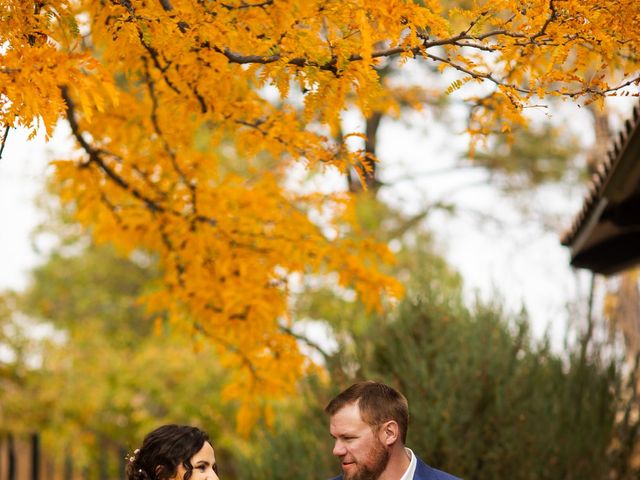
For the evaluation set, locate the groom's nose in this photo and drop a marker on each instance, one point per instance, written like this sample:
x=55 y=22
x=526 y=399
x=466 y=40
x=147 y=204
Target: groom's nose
x=338 y=449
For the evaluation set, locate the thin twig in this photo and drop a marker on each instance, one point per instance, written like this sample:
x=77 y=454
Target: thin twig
x=244 y=5
x=4 y=140
x=305 y=339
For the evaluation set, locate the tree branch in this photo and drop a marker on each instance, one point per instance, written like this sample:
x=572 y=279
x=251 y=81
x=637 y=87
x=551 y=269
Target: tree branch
x=245 y=5
x=229 y=346
x=429 y=173
x=4 y=140
x=478 y=75
x=550 y=18
x=95 y=156
x=170 y=151
x=306 y=340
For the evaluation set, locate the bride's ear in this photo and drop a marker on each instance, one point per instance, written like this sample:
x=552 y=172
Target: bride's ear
x=159 y=471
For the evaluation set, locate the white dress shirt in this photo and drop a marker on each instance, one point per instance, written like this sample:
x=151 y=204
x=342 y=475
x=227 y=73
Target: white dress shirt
x=411 y=469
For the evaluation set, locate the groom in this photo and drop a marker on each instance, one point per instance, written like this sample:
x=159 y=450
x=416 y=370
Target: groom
x=369 y=422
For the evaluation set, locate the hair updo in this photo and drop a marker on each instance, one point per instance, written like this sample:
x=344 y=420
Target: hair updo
x=163 y=450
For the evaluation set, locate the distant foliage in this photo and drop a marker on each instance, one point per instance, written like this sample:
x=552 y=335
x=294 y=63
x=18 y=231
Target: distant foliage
x=486 y=400
x=531 y=157
x=101 y=379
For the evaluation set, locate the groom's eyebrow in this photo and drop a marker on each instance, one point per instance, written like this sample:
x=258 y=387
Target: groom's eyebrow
x=343 y=435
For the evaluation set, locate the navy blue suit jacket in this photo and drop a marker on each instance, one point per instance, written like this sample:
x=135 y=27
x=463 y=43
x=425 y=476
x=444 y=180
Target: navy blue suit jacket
x=424 y=472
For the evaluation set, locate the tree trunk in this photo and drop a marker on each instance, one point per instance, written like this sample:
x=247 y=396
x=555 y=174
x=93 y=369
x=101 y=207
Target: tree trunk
x=369 y=168
x=35 y=456
x=603 y=137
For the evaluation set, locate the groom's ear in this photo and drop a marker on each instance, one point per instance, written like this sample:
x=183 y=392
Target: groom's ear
x=389 y=432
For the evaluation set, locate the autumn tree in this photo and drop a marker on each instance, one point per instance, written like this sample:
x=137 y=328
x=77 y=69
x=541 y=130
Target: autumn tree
x=139 y=81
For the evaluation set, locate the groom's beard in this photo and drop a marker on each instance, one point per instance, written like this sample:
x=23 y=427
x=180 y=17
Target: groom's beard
x=373 y=465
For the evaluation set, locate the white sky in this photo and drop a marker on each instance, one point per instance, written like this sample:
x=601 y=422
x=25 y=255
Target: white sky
x=518 y=261
x=499 y=256
x=22 y=169
x=507 y=256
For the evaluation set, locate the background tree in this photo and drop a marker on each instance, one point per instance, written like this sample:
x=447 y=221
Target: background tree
x=106 y=372
x=137 y=80
x=487 y=399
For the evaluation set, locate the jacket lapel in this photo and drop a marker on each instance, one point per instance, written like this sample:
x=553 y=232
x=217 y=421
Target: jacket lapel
x=423 y=471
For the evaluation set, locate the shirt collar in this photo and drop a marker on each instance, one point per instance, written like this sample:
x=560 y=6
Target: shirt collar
x=411 y=469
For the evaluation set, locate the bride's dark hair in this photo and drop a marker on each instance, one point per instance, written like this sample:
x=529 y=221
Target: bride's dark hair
x=163 y=450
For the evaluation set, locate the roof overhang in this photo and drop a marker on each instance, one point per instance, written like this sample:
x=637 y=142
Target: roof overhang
x=605 y=235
